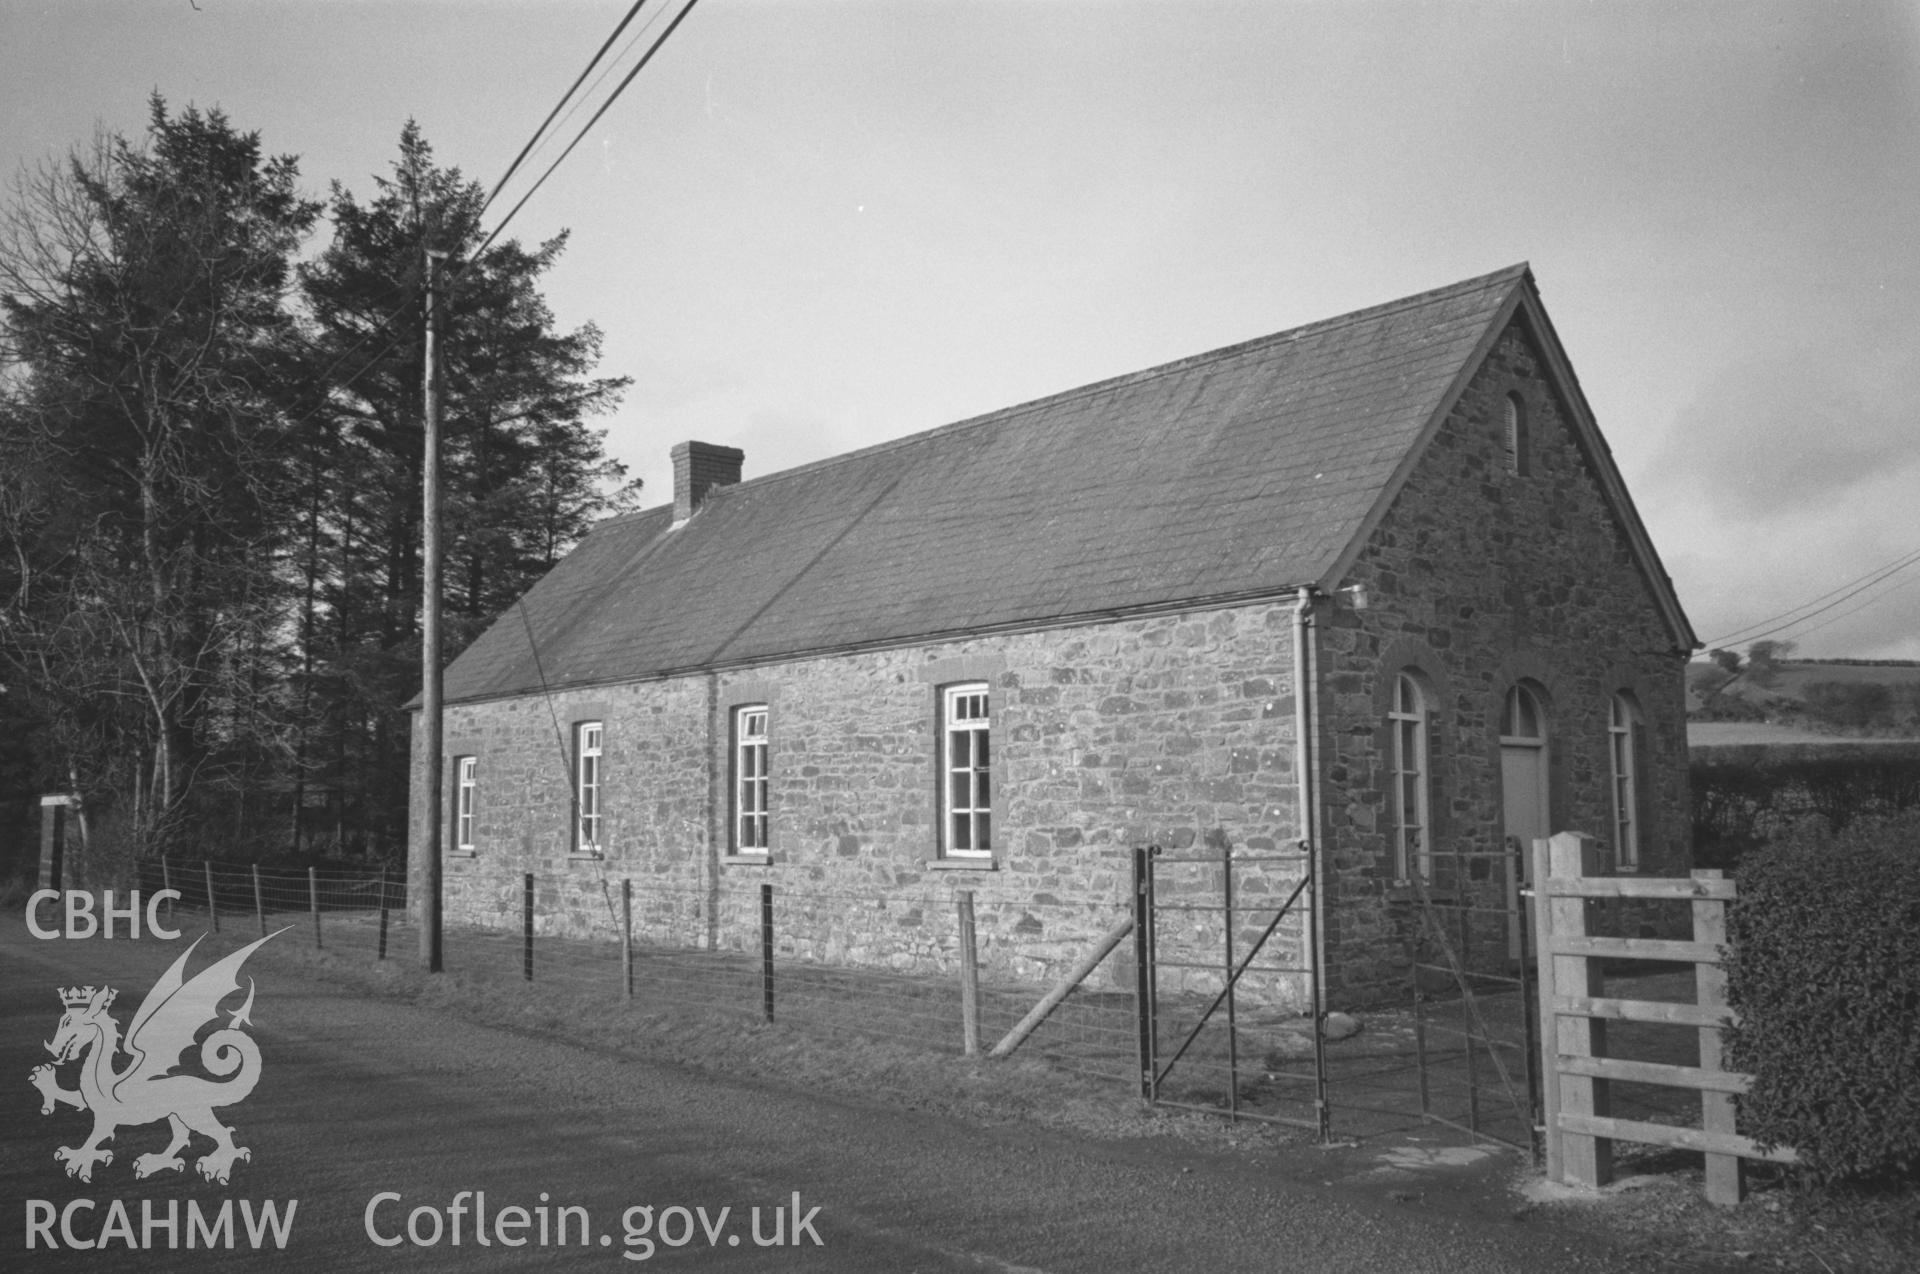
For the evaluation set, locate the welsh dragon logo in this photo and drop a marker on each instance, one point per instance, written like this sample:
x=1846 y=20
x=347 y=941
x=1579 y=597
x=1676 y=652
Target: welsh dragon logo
x=146 y=1090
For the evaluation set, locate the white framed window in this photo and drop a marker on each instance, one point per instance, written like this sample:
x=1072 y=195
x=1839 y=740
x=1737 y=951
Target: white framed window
x=966 y=768
x=750 y=782
x=466 y=774
x=1516 y=436
x=1624 y=737
x=1411 y=779
x=588 y=741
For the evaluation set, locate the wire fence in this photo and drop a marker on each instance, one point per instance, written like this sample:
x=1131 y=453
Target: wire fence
x=929 y=974
x=947 y=990
x=333 y=906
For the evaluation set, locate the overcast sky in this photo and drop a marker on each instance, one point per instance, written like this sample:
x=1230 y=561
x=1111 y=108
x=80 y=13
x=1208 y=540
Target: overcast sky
x=812 y=226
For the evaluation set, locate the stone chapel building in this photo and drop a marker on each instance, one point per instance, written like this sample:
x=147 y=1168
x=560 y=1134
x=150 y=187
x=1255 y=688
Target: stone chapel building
x=1373 y=586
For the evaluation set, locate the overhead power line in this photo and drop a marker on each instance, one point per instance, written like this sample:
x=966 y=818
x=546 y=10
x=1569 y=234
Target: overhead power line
x=558 y=106
x=563 y=109
x=408 y=300
x=588 y=126
x=1793 y=617
x=581 y=98
x=1871 y=601
x=1896 y=564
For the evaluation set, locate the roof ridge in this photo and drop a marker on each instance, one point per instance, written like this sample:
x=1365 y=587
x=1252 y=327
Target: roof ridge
x=628 y=515
x=1184 y=363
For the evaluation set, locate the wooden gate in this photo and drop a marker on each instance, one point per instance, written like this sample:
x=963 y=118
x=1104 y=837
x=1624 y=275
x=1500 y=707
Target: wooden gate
x=1575 y=1009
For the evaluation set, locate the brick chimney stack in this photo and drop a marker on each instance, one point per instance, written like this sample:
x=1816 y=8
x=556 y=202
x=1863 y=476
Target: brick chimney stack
x=699 y=467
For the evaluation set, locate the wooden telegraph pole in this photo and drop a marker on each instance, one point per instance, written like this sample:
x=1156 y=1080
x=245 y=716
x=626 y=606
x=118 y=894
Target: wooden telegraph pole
x=430 y=882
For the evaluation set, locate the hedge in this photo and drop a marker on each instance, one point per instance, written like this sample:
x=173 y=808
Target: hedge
x=1823 y=968
x=1744 y=795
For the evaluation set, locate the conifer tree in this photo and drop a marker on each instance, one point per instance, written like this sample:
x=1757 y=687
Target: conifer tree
x=151 y=369
x=524 y=474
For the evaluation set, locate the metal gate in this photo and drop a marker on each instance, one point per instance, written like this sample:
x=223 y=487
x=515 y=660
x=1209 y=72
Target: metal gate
x=1476 y=1013
x=1216 y=989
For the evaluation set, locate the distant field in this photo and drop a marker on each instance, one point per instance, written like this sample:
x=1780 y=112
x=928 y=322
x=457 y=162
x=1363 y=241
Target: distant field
x=1793 y=677
x=1785 y=694
x=1790 y=677
x=1727 y=734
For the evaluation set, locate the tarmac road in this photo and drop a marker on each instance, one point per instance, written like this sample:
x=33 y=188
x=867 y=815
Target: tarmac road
x=361 y=1098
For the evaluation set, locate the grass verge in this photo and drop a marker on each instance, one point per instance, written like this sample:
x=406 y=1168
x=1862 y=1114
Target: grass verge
x=722 y=1040
x=1657 y=1207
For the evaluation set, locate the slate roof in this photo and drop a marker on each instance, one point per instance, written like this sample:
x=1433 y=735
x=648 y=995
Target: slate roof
x=1237 y=473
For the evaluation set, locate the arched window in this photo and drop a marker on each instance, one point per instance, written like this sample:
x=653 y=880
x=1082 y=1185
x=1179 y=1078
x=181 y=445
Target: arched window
x=1626 y=736
x=1523 y=722
x=1411 y=778
x=1516 y=436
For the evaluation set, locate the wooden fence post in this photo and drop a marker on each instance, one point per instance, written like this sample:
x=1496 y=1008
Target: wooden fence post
x=1710 y=992
x=626 y=932
x=213 y=911
x=766 y=950
x=313 y=903
x=382 y=953
x=969 y=976
x=1141 y=913
x=1580 y=1158
x=1542 y=921
x=526 y=927
x=259 y=909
